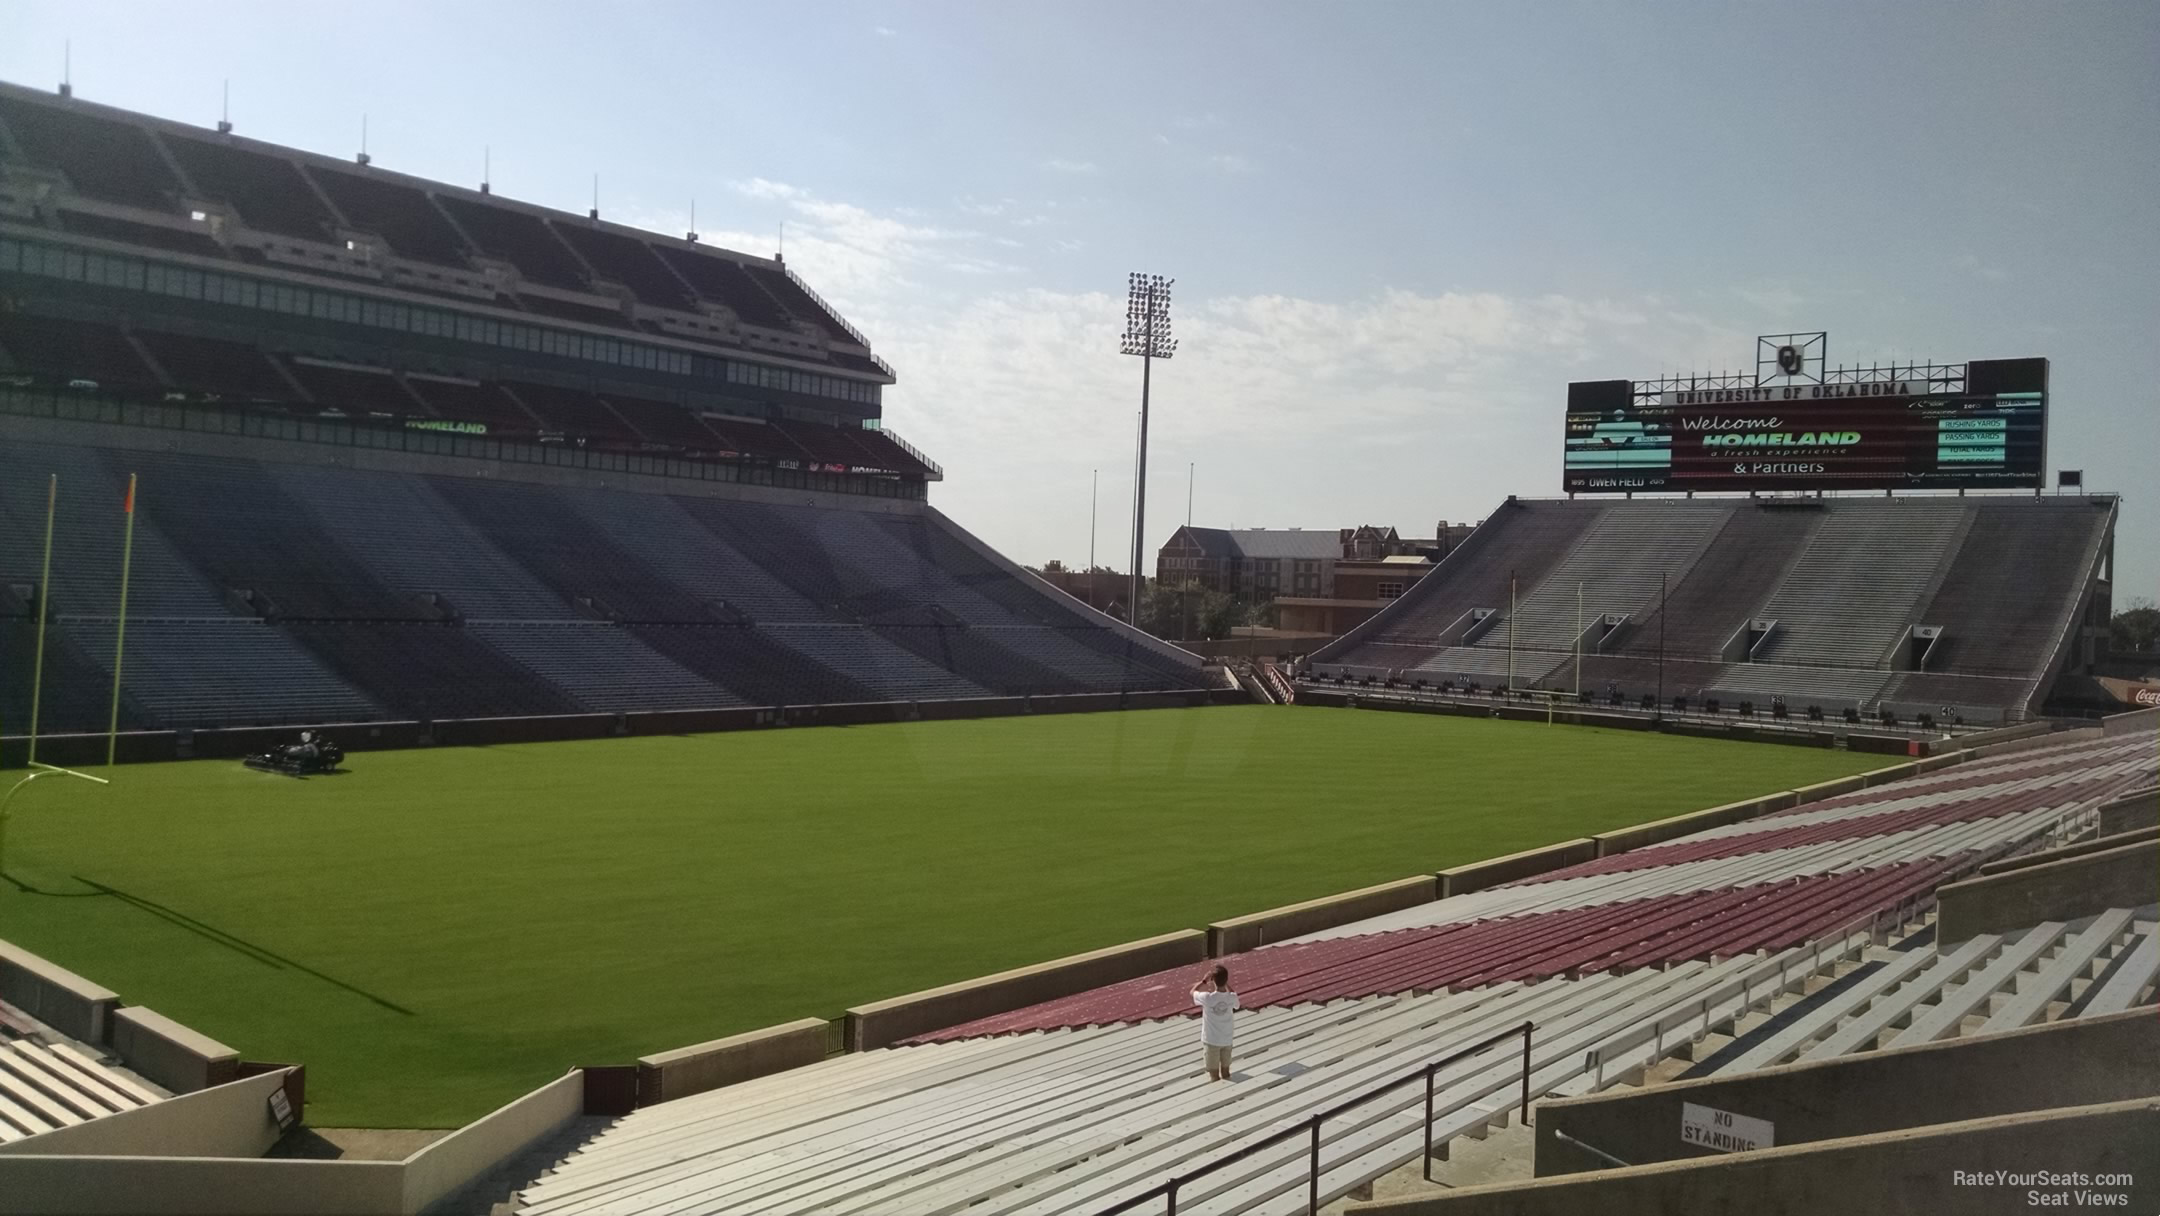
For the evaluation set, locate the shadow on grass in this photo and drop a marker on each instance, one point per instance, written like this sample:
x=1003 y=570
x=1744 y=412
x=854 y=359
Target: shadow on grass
x=239 y=945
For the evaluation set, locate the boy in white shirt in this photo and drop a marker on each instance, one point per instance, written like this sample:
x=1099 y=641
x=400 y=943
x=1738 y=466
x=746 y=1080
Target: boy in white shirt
x=1212 y=994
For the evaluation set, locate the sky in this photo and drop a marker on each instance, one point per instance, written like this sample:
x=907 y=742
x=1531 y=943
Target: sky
x=1397 y=230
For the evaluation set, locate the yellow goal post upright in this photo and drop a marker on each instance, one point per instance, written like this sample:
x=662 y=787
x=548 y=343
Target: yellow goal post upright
x=1550 y=696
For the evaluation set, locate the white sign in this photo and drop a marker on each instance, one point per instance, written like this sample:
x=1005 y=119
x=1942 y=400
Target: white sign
x=1709 y=1127
x=1773 y=394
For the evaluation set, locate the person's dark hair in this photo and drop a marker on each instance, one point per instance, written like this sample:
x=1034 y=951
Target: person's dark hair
x=1222 y=977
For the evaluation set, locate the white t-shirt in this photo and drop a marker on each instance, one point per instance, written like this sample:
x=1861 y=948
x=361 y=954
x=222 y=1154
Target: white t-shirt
x=1215 y=1011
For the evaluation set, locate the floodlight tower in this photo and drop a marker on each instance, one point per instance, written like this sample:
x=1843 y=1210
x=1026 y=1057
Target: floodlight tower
x=1147 y=334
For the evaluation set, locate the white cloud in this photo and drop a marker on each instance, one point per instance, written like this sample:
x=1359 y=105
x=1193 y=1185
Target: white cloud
x=1077 y=167
x=886 y=31
x=1229 y=162
x=758 y=187
x=1777 y=300
x=1971 y=264
x=1397 y=407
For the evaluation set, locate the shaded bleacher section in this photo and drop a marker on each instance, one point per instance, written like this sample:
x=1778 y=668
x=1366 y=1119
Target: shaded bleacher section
x=61 y=351
x=192 y=240
x=401 y=215
x=266 y=190
x=725 y=282
x=1817 y=604
x=217 y=368
x=111 y=160
x=266 y=593
x=627 y=261
x=102 y=158
x=519 y=238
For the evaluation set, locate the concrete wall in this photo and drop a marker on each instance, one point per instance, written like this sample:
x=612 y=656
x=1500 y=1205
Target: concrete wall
x=2139 y=810
x=451 y=1163
x=1884 y=776
x=882 y=1023
x=170 y=1054
x=2130 y=723
x=199 y=1186
x=693 y=1070
x=2099 y=844
x=1493 y=871
x=1242 y=933
x=2004 y=734
x=1660 y=830
x=1829 y=789
x=1911 y=1171
x=232 y=1120
x=2122 y=877
x=235 y=742
x=2083 y=734
x=2077 y=1063
x=55 y=995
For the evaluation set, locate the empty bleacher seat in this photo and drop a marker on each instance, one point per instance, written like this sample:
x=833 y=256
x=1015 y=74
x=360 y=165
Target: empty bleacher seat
x=473 y=401
x=663 y=422
x=214 y=367
x=517 y=237
x=102 y=157
x=628 y=261
x=400 y=214
x=59 y=350
x=264 y=188
x=571 y=411
x=723 y=280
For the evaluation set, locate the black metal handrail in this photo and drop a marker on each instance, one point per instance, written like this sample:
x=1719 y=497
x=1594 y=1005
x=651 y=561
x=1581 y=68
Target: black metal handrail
x=1311 y=1127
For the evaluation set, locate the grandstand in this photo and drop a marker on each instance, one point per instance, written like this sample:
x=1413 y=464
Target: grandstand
x=1958 y=608
x=414 y=452
x=1701 y=945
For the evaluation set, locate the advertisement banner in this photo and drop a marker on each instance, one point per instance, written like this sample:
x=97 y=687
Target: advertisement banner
x=1797 y=438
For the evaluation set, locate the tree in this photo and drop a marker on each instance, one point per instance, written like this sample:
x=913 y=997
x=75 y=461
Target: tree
x=2136 y=627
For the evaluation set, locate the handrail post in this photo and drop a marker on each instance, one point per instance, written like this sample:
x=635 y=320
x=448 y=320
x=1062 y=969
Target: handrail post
x=1526 y=1074
x=1430 y=1069
x=1172 y=1194
x=1312 y=1190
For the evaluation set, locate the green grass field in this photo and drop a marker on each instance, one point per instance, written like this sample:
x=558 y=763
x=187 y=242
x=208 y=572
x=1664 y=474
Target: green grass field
x=437 y=932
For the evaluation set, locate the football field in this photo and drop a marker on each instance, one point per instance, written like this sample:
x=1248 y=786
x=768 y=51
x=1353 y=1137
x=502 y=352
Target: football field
x=436 y=932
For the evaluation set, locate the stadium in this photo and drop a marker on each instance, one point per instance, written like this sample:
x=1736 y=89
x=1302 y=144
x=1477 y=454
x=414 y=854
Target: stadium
x=693 y=818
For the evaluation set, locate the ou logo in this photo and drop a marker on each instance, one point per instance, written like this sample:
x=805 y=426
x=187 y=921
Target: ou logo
x=1790 y=360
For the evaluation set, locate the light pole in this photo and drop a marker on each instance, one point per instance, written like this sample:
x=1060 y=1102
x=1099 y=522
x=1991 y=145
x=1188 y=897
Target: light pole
x=1147 y=334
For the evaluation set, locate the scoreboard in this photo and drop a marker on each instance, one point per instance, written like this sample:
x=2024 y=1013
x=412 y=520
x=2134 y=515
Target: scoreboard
x=1865 y=435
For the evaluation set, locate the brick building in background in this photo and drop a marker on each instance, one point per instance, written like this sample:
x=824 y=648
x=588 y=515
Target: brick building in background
x=1323 y=582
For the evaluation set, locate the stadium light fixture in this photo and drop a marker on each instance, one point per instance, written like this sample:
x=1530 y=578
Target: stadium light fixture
x=1147 y=334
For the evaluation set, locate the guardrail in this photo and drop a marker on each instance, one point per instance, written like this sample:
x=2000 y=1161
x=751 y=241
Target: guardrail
x=937 y=471
x=1168 y=1191
x=833 y=313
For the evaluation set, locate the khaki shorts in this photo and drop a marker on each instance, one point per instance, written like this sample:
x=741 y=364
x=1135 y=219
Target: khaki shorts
x=1218 y=1058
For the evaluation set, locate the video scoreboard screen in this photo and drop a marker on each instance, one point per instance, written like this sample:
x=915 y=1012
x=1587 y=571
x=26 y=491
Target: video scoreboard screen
x=1879 y=435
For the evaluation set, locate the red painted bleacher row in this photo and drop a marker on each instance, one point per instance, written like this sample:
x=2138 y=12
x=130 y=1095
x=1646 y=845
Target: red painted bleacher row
x=1850 y=828
x=1608 y=937
x=1967 y=776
